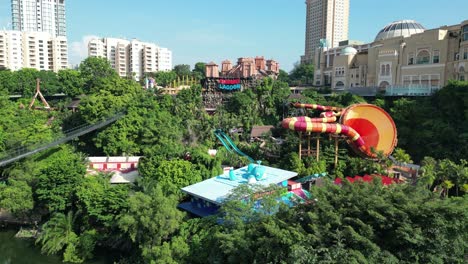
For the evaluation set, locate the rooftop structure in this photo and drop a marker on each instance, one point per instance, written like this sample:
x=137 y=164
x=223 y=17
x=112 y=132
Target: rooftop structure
x=258 y=131
x=404 y=28
x=208 y=195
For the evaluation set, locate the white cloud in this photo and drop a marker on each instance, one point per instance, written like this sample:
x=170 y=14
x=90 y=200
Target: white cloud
x=79 y=49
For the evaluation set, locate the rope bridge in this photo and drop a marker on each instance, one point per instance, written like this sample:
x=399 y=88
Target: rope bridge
x=19 y=153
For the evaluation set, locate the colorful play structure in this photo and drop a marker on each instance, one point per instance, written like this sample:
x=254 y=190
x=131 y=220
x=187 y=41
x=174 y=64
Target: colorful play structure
x=367 y=128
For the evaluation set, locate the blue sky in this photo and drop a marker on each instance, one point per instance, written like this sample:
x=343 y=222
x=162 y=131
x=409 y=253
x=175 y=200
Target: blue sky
x=209 y=30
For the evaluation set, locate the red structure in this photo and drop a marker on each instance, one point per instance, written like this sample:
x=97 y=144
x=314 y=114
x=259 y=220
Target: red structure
x=368 y=178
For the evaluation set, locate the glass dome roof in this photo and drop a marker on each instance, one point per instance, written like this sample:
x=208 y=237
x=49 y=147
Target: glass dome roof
x=349 y=51
x=400 y=28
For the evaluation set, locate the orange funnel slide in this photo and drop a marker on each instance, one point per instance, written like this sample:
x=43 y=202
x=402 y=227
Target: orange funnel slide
x=368 y=127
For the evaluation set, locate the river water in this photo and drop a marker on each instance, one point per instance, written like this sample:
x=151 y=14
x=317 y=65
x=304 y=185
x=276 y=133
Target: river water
x=21 y=251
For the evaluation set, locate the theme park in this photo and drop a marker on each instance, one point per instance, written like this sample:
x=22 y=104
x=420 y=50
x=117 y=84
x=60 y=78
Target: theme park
x=237 y=144
x=366 y=128
x=229 y=164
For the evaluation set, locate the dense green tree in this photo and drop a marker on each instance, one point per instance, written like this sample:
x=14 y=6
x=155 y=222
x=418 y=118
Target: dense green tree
x=354 y=223
x=199 y=71
x=26 y=82
x=59 y=180
x=49 y=82
x=71 y=82
x=171 y=175
x=100 y=201
x=8 y=84
x=283 y=76
x=95 y=69
x=182 y=70
x=165 y=79
x=16 y=197
x=447 y=117
x=302 y=74
x=150 y=220
x=401 y=156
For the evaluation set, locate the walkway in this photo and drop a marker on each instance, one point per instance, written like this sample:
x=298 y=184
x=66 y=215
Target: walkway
x=17 y=154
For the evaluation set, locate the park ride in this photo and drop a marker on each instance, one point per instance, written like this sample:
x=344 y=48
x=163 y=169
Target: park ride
x=367 y=128
x=230 y=145
x=256 y=172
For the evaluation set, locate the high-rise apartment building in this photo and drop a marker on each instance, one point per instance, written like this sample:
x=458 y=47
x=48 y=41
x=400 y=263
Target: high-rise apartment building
x=131 y=58
x=38 y=50
x=39 y=16
x=326 y=25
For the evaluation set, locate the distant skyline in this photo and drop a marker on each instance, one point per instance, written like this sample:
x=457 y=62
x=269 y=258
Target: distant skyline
x=216 y=30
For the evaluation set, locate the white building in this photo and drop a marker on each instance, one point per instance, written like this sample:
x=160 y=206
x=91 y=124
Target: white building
x=327 y=21
x=39 y=16
x=131 y=58
x=38 y=50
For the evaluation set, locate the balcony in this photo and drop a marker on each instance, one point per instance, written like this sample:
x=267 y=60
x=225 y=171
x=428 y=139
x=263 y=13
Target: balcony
x=394 y=91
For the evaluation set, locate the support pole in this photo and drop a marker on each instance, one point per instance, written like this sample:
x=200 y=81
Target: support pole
x=318 y=148
x=308 y=144
x=300 y=145
x=336 y=152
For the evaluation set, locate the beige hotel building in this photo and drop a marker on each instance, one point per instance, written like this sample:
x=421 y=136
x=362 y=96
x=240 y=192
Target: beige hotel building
x=404 y=55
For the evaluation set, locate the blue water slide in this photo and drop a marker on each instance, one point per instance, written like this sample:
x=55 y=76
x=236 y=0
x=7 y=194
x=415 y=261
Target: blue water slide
x=230 y=145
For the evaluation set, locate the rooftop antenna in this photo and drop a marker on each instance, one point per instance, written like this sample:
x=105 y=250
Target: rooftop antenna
x=38 y=92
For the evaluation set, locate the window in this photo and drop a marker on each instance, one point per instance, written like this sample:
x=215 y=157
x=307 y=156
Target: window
x=456 y=56
x=387 y=70
x=382 y=70
x=465 y=54
x=465 y=33
x=423 y=57
x=410 y=58
x=406 y=80
x=435 y=57
x=339 y=71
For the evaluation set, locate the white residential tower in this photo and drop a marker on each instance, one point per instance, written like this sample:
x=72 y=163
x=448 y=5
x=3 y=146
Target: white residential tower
x=38 y=50
x=39 y=15
x=131 y=58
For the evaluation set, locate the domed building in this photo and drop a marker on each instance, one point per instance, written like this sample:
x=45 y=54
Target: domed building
x=402 y=28
x=405 y=59
x=349 y=51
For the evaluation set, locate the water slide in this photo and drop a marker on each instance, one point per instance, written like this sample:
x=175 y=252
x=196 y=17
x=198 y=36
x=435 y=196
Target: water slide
x=305 y=195
x=368 y=127
x=230 y=145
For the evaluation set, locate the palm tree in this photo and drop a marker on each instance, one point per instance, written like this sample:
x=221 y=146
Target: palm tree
x=428 y=176
x=57 y=233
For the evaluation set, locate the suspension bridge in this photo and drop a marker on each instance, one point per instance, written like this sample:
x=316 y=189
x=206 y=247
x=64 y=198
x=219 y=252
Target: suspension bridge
x=22 y=152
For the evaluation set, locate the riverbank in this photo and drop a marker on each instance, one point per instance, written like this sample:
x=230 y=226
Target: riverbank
x=6 y=219
x=21 y=251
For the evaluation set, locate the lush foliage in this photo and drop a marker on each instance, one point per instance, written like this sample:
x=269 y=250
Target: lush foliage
x=140 y=223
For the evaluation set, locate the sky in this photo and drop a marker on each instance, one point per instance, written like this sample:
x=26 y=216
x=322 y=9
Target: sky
x=209 y=30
